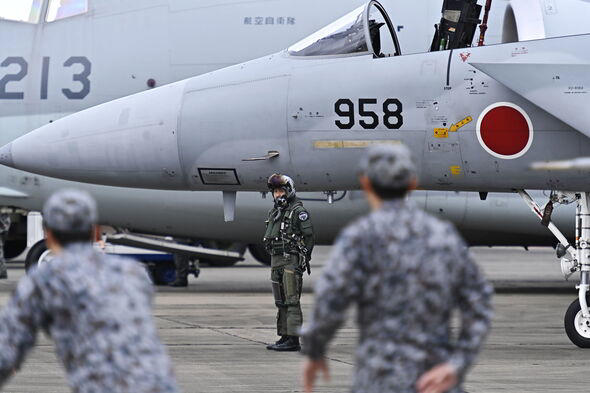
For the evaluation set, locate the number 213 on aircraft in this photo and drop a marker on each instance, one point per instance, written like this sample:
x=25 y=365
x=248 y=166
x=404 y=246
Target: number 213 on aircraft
x=392 y=116
x=80 y=80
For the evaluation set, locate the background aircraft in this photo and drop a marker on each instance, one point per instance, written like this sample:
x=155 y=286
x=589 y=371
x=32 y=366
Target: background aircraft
x=129 y=46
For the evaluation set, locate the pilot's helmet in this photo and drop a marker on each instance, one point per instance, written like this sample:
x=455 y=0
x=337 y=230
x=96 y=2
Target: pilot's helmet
x=283 y=182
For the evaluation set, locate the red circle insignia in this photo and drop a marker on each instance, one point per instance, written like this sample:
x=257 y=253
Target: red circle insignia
x=505 y=130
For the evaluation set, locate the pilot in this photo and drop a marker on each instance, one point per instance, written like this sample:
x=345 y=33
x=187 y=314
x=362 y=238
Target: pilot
x=97 y=308
x=289 y=239
x=406 y=272
x=4 y=228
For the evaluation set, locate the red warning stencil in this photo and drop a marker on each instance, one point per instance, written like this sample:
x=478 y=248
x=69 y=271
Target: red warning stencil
x=505 y=130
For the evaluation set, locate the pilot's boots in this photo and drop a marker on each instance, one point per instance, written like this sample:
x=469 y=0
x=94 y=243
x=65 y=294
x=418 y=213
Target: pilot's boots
x=289 y=345
x=279 y=341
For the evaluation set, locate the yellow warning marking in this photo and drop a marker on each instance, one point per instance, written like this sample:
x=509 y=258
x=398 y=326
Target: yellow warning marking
x=352 y=144
x=327 y=144
x=455 y=170
x=455 y=127
x=441 y=132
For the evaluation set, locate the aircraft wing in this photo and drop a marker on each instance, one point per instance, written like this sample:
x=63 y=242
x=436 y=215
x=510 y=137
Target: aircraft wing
x=7 y=192
x=563 y=90
x=152 y=243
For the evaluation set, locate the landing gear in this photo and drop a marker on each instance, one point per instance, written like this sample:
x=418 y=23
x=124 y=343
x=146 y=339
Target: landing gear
x=577 y=316
x=576 y=326
x=37 y=255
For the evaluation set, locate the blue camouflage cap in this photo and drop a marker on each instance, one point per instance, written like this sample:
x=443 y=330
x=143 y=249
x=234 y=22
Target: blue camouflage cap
x=70 y=211
x=388 y=166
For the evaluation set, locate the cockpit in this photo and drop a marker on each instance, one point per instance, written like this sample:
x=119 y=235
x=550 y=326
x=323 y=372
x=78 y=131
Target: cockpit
x=366 y=30
x=33 y=11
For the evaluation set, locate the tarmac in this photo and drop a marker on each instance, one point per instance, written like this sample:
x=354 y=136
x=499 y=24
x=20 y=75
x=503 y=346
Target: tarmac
x=215 y=332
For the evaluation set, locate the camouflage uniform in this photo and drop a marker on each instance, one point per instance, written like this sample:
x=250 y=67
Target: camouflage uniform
x=287 y=247
x=4 y=228
x=406 y=271
x=97 y=309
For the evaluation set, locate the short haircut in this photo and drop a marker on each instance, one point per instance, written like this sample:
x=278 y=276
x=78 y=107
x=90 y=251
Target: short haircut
x=65 y=238
x=389 y=193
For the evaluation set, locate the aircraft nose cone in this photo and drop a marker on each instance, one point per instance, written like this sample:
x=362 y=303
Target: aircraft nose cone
x=130 y=142
x=6 y=155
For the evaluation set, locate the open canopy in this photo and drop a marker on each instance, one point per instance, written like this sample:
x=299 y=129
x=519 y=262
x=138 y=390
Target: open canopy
x=366 y=30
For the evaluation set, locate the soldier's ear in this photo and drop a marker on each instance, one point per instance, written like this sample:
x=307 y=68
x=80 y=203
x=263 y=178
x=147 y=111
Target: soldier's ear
x=374 y=200
x=366 y=184
x=50 y=240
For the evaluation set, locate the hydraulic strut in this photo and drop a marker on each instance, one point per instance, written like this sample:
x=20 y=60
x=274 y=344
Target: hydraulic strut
x=581 y=254
x=484 y=24
x=583 y=248
x=539 y=213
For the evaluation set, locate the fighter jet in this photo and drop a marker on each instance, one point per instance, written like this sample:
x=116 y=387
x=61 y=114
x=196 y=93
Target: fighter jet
x=311 y=109
x=34 y=33
x=475 y=119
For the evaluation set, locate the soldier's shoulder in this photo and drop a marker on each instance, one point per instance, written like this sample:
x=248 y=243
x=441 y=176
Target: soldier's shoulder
x=122 y=262
x=127 y=267
x=300 y=212
x=440 y=232
x=297 y=205
x=357 y=228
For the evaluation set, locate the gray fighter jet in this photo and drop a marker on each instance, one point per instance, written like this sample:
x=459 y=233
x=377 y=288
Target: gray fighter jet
x=475 y=118
x=468 y=116
x=148 y=53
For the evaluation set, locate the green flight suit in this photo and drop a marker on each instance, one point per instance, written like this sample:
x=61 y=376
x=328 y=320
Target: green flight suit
x=289 y=239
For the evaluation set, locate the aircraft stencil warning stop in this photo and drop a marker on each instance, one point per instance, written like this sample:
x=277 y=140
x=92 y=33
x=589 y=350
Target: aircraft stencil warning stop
x=505 y=130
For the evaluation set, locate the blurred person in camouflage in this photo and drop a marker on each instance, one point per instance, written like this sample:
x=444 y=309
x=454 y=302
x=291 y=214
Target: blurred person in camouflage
x=406 y=272
x=97 y=309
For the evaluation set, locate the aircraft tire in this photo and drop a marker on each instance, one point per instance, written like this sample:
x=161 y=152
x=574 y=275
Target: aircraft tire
x=163 y=273
x=259 y=253
x=35 y=254
x=13 y=248
x=578 y=333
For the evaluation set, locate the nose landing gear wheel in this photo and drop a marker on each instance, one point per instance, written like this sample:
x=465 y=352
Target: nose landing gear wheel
x=37 y=255
x=576 y=326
